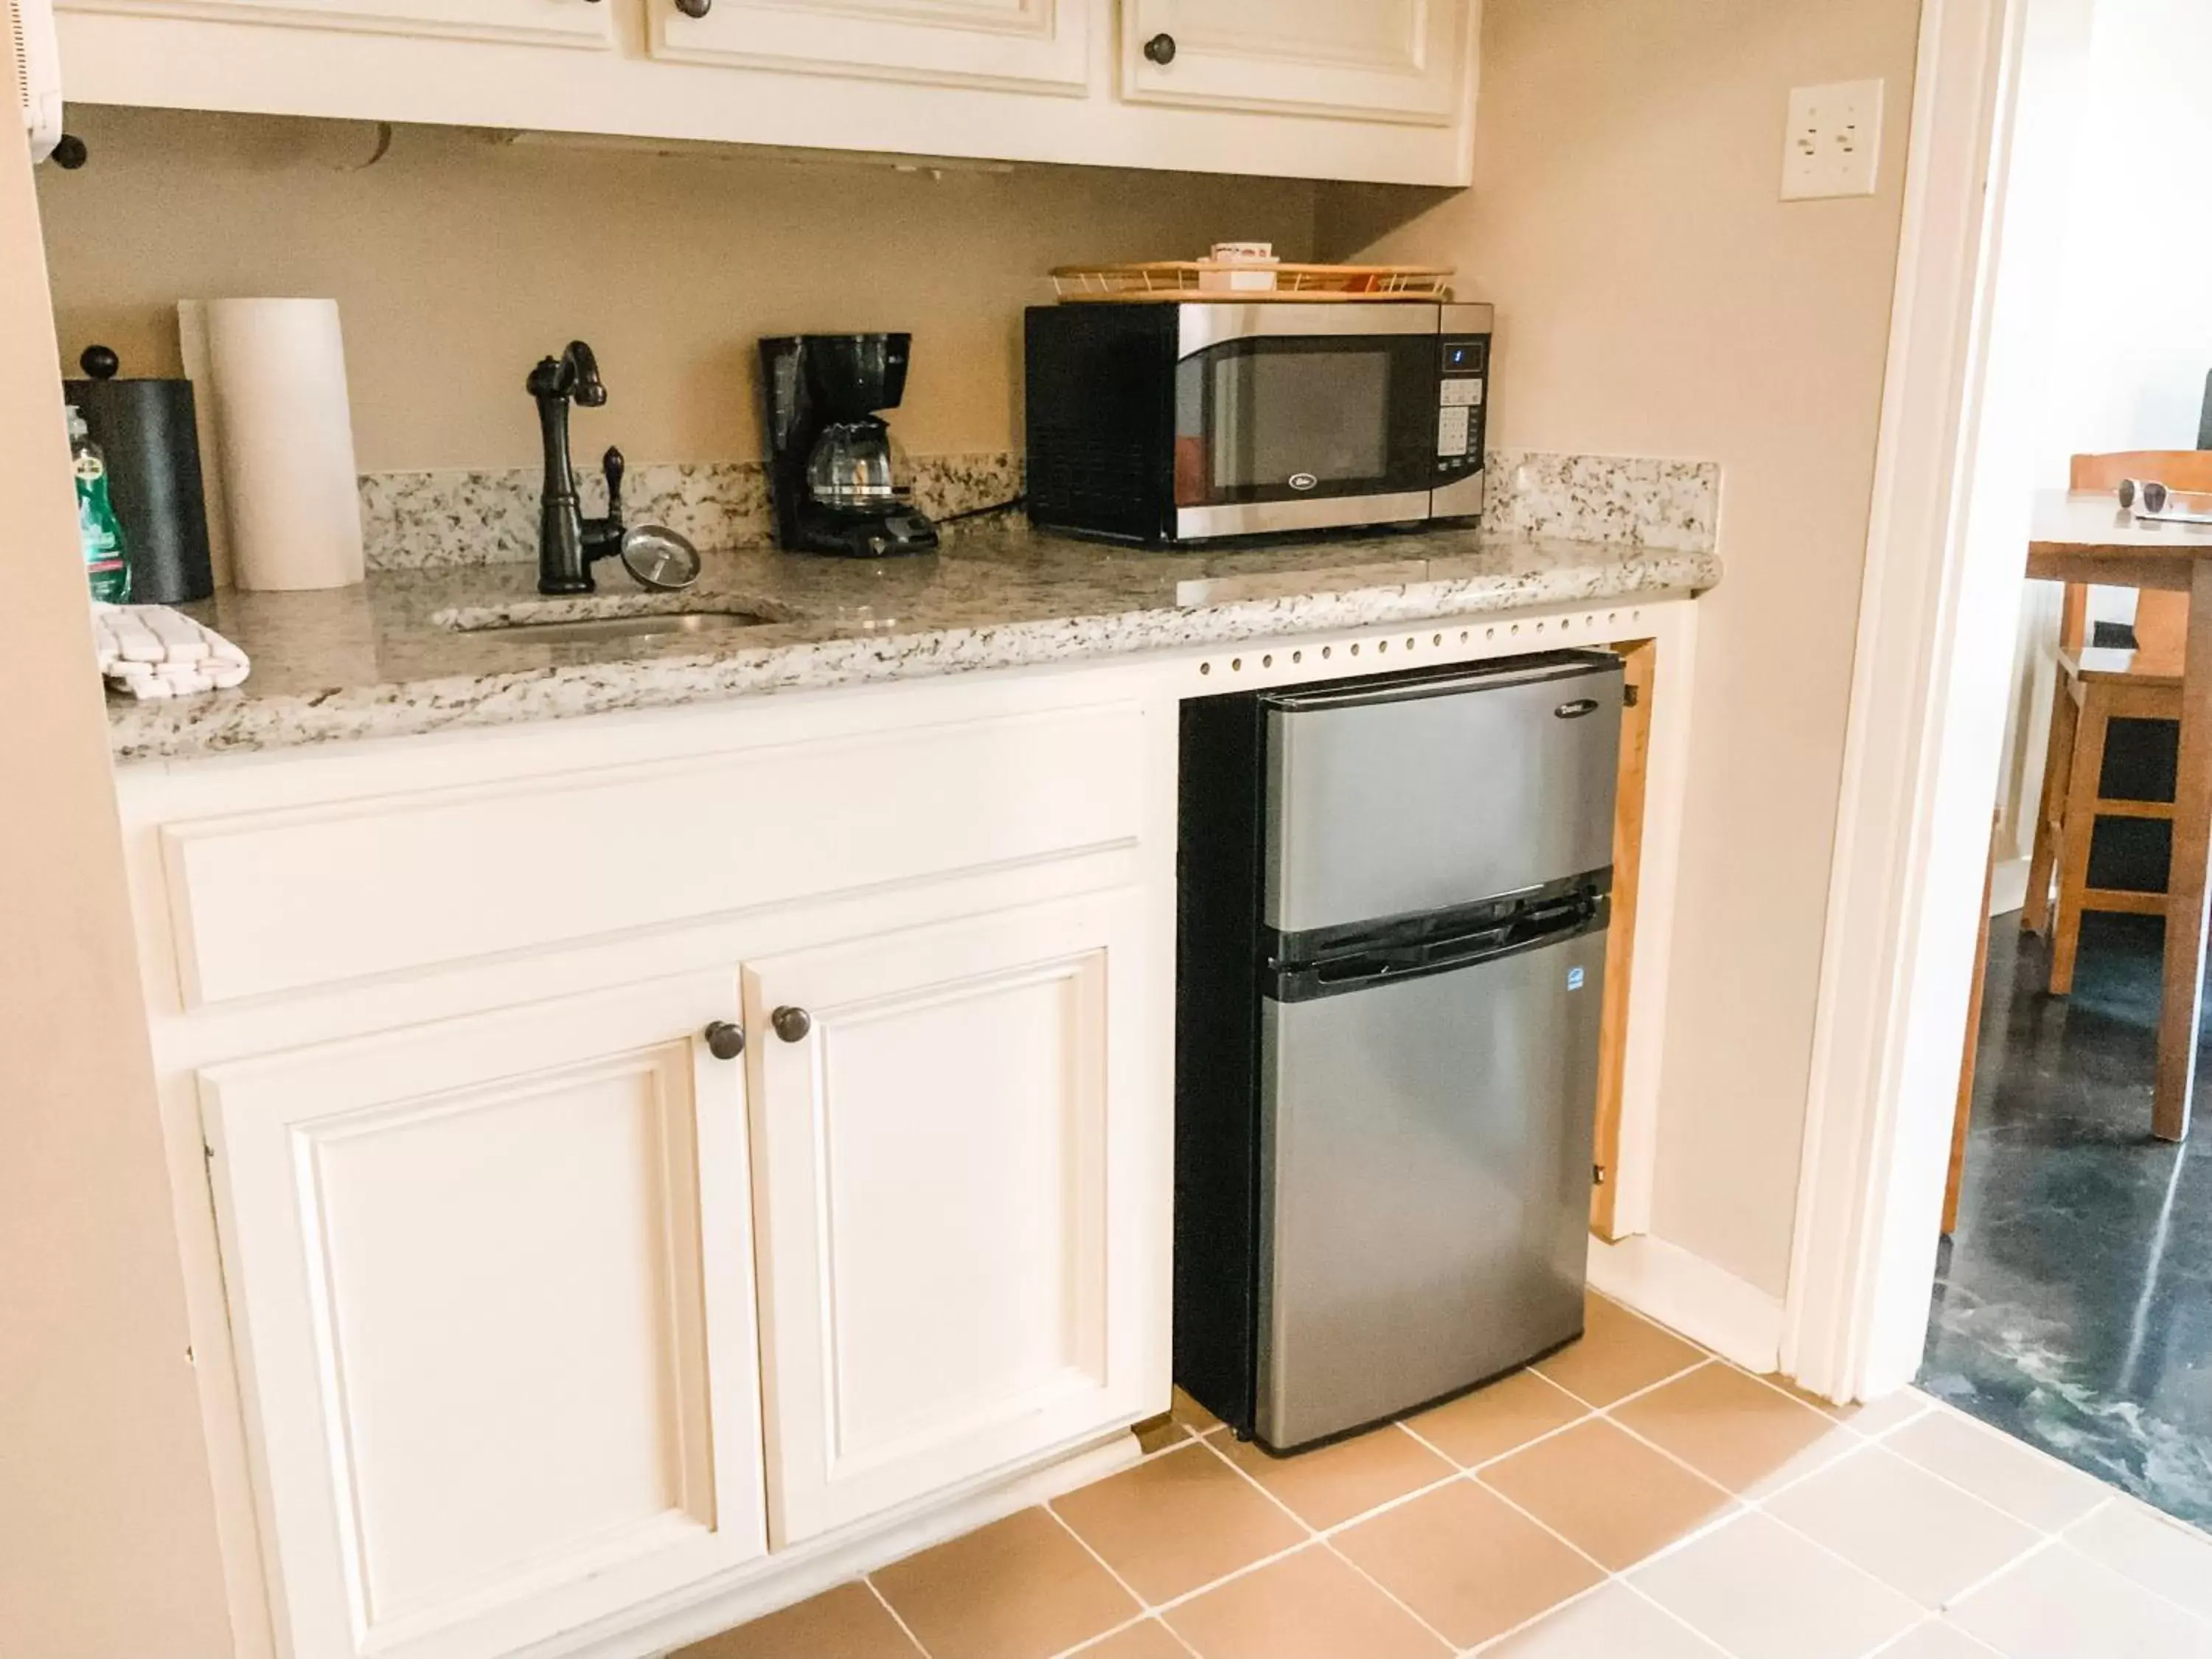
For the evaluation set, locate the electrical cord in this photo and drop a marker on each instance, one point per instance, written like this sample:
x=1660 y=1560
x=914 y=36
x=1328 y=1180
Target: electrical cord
x=980 y=511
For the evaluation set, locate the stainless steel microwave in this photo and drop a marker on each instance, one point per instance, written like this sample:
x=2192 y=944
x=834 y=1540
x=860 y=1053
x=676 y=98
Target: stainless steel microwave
x=1171 y=422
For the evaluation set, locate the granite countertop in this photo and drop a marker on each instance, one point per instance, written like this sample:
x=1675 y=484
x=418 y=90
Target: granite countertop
x=396 y=655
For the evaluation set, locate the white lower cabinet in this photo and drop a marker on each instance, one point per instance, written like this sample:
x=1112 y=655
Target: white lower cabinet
x=540 y=1317
x=490 y=1283
x=962 y=1191
x=508 y=1368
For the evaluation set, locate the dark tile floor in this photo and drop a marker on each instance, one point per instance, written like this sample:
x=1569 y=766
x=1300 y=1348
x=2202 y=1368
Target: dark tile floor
x=2073 y=1308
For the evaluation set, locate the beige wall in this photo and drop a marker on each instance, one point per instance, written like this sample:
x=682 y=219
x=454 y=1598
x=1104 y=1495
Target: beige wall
x=1655 y=298
x=458 y=260
x=106 y=1520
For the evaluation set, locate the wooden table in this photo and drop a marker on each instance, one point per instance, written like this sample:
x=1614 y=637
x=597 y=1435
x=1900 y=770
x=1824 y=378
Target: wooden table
x=2090 y=538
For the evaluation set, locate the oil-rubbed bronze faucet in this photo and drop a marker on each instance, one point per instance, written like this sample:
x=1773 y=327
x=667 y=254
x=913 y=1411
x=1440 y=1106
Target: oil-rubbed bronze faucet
x=567 y=542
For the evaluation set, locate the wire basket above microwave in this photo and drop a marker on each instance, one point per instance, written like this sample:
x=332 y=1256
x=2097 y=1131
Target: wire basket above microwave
x=1230 y=279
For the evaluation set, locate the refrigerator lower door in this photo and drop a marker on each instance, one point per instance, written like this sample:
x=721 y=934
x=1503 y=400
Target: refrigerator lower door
x=1426 y=1152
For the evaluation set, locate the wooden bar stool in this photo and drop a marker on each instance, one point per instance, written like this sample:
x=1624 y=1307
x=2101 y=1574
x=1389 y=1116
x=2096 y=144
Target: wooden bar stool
x=2098 y=685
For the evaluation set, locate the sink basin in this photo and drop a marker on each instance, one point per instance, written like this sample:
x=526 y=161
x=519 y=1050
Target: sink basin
x=589 y=630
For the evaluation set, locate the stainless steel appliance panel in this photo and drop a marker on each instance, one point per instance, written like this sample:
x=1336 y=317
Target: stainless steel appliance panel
x=1312 y=512
x=1386 y=801
x=1462 y=498
x=1424 y=1150
x=1203 y=324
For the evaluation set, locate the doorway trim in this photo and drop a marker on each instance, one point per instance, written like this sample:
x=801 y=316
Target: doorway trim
x=1937 y=616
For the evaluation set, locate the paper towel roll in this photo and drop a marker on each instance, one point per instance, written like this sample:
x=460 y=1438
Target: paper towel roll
x=284 y=442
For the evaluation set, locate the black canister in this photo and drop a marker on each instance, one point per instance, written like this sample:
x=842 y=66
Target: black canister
x=149 y=433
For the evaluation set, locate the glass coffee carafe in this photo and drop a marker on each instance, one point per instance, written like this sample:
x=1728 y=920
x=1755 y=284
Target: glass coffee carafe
x=852 y=469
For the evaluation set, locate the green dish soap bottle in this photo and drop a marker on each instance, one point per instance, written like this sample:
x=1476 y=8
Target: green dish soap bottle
x=106 y=561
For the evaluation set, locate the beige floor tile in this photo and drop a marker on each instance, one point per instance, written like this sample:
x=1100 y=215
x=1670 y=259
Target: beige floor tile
x=1502 y=1418
x=1827 y=1408
x=1732 y=1428
x=2156 y=1551
x=1307 y=1605
x=1619 y=1354
x=1332 y=1484
x=2022 y=1482
x=1192 y=1415
x=1019 y=1588
x=1158 y=1433
x=2059 y=1604
x=1916 y=1534
x=845 y=1623
x=1936 y=1640
x=1178 y=1522
x=1607 y=1493
x=1760 y=1591
x=1466 y=1562
x=1892 y=1412
x=1150 y=1640
x=1613 y=1623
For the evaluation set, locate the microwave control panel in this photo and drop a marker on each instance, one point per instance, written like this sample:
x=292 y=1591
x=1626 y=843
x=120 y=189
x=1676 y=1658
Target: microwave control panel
x=1463 y=374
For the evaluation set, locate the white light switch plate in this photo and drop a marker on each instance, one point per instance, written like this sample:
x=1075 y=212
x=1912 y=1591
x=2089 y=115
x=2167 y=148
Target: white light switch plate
x=1833 y=146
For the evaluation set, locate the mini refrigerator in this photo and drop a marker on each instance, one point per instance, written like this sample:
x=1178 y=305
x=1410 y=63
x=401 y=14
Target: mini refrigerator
x=1393 y=903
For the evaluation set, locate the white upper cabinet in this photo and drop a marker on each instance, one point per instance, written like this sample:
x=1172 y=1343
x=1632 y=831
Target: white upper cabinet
x=1037 y=46
x=962 y=1178
x=490 y=1280
x=1370 y=60
x=542 y=22
x=1381 y=90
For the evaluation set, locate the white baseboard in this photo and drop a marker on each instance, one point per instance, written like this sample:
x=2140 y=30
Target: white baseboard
x=793 y=1575
x=2007 y=886
x=1687 y=1293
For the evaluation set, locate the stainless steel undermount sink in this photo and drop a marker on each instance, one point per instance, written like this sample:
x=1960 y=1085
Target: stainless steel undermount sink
x=587 y=630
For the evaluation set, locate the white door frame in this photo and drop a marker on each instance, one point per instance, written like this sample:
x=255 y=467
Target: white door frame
x=1938 y=617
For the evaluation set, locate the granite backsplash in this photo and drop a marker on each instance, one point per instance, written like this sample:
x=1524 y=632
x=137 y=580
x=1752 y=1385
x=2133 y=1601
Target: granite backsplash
x=433 y=520
x=1673 y=506
x=439 y=520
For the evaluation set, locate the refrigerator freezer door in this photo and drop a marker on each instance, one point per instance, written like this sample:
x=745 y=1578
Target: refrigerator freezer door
x=1392 y=800
x=1426 y=1150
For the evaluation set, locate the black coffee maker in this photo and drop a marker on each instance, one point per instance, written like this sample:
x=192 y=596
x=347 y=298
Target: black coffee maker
x=830 y=472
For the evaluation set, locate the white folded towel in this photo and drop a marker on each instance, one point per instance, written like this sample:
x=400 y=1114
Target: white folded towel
x=151 y=651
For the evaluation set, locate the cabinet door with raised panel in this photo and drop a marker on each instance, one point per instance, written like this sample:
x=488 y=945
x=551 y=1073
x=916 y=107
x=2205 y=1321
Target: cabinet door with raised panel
x=1034 y=45
x=537 y=22
x=490 y=1285
x=963 y=1183
x=1371 y=60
